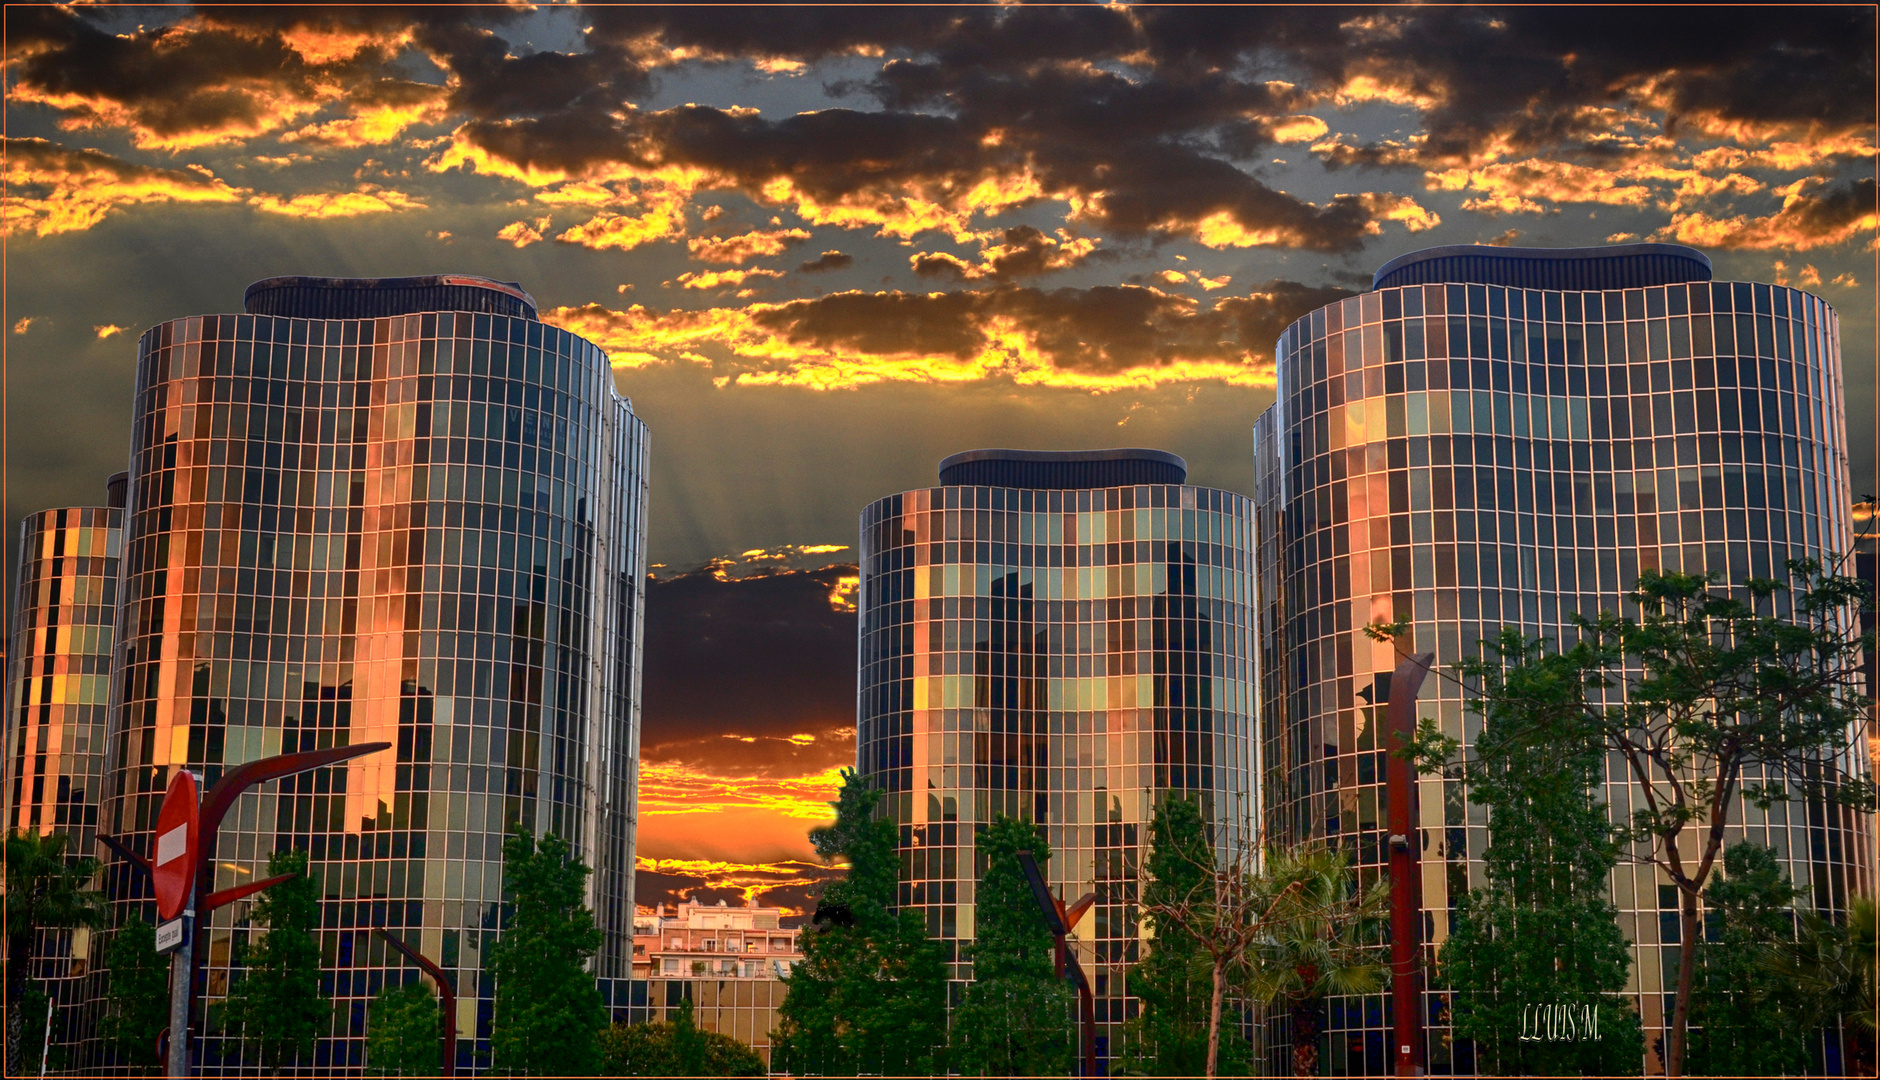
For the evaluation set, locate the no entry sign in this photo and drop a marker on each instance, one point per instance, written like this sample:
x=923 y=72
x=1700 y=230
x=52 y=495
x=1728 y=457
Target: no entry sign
x=173 y=864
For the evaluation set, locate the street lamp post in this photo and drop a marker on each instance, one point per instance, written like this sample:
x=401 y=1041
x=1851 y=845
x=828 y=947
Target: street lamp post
x=1406 y=881
x=1060 y=920
x=183 y=864
x=446 y=992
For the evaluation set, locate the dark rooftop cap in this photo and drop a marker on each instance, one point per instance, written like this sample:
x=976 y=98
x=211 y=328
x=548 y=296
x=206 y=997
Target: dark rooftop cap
x=1062 y=469
x=1616 y=266
x=378 y=298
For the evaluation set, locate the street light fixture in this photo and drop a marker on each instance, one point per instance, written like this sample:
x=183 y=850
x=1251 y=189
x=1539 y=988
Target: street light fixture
x=196 y=856
x=1060 y=920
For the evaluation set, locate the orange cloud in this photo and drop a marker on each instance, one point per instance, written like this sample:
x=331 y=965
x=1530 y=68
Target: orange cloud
x=719 y=279
x=743 y=248
x=369 y=199
x=54 y=189
x=1521 y=186
x=661 y=202
x=1225 y=229
x=107 y=330
x=522 y=233
x=21 y=326
x=756 y=882
x=688 y=812
x=1292 y=129
x=1805 y=221
x=378 y=113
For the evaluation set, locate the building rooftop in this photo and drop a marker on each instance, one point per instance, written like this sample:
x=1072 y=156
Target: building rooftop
x=378 y=298
x=1615 y=266
x=1062 y=468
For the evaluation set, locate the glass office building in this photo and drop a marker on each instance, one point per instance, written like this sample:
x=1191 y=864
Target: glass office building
x=1505 y=436
x=58 y=697
x=399 y=510
x=1063 y=637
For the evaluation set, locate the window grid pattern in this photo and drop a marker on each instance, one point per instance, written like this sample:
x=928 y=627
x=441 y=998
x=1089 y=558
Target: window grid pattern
x=58 y=699
x=1465 y=456
x=1064 y=655
x=413 y=530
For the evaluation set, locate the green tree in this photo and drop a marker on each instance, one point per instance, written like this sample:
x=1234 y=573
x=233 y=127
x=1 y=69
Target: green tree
x=870 y=994
x=137 y=1003
x=675 y=1048
x=46 y=889
x=1831 y=965
x=1746 y=1017
x=1543 y=931
x=404 y=1032
x=278 y=1003
x=1320 y=937
x=548 y=1009
x=1700 y=690
x=1175 y=981
x=1017 y=1017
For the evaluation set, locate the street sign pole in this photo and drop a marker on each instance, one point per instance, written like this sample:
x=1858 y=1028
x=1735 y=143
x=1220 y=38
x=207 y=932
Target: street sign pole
x=182 y=969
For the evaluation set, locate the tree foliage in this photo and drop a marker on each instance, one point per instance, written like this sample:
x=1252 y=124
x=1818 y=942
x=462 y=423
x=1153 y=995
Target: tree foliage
x=1699 y=691
x=277 y=1003
x=137 y=1002
x=675 y=1048
x=1543 y=931
x=548 y=1009
x=1830 y=965
x=1017 y=1019
x=1322 y=936
x=869 y=995
x=1174 y=978
x=404 y=1032
x=46 y=889
x=1747 y=1018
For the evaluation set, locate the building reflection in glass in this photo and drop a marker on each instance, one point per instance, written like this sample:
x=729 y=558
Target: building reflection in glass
x=1065 y=638
x=1509 y=448
x=389 y=523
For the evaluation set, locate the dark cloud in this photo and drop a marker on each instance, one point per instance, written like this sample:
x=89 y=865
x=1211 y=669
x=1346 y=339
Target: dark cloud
x=1536 y=77
x=764 y=657
x=1103 y=330
x=793 y=886
x=1023 y=251
x=828 y=260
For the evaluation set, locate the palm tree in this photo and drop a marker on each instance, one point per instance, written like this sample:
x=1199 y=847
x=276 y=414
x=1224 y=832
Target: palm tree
x=45 y=889
x=1324 y=941
x=1833 y=966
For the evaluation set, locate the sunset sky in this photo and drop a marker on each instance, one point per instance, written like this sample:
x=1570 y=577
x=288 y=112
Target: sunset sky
x=828 y=246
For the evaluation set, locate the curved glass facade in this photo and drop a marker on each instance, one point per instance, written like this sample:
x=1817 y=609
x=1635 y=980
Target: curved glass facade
x=1064 y=655
x=428 y=530
x=58 y=700
x=1465 y=457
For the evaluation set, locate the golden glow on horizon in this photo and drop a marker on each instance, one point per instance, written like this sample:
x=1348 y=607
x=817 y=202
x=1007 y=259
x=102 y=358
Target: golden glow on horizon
x=671 y=789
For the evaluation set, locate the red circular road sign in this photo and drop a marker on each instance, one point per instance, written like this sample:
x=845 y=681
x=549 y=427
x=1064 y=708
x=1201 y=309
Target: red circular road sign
x=173 y=863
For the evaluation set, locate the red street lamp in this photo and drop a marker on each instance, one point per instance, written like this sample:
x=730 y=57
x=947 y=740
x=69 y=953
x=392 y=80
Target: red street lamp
x=1060 y=920
x=446 y=992
x=1406 y=877
x=181 y=868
